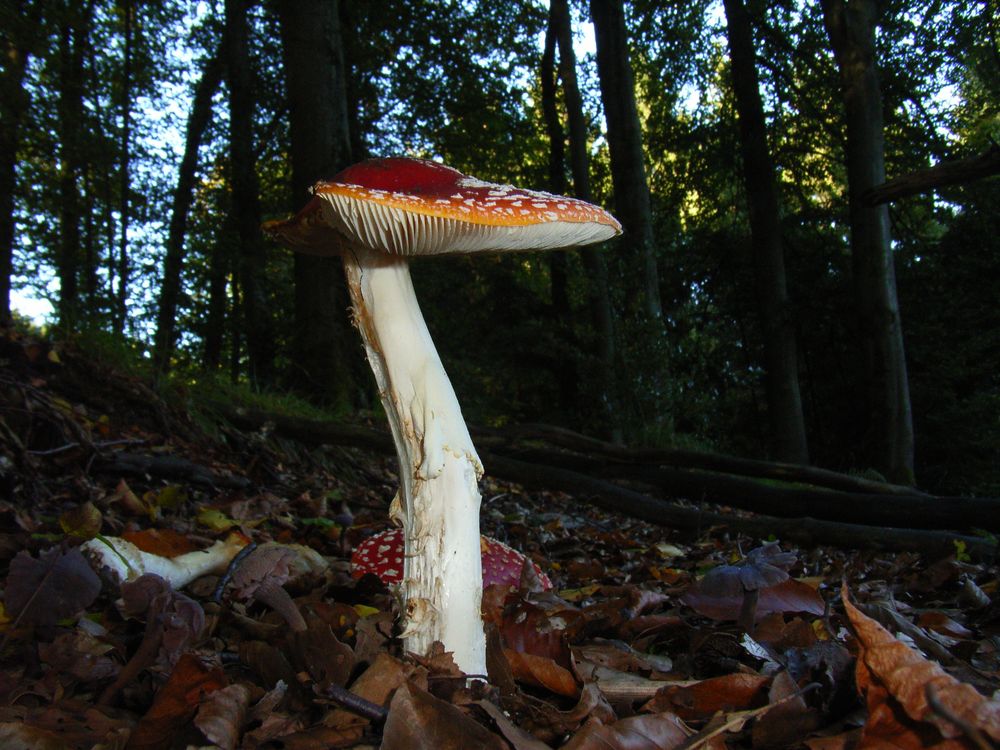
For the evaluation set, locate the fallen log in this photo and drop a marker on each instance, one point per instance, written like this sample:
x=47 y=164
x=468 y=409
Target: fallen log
x=803 y=530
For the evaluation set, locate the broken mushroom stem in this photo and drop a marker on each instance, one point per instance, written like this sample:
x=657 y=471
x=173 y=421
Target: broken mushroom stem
x=275 y=597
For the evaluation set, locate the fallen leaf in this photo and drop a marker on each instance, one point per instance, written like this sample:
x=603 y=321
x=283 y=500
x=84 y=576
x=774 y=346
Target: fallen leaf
x=56 y=585
x=661 y=731
x=176 y=703
x=731 y=692
x=419 y=721
x=907 y=677
x=542 y=672
x=221 y=715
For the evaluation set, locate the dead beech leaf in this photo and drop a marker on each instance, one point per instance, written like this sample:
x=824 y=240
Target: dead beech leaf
x=789 y=596
x=542 y=672
x=221 y=714
x=661 y=731
x=732 y=692
x=56 y=585
x=419 y=721
x=83 y=522
x=906 y=676
x=939 y=622
x=162 y=542
x=176 y=703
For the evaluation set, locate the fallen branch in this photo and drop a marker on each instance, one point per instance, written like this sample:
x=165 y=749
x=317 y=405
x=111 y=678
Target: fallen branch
x=803 y=530
x=940 y=175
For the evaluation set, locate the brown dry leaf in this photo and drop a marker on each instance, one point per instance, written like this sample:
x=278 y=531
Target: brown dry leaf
x=56 y=585
x=80 y=655
x=221 y=715
x=317 y=650
x=67 y=724
x=176 y=703
x=790 y=596
x=791 y=719
x=162 y=542
x=375 y=684
x=542 y=672
x=520 y=739
x=733 y=692
x=84 y=521
x=550 y=724
x=419 y=721
x=660 y=731
x=939 y=622
x=906 y=677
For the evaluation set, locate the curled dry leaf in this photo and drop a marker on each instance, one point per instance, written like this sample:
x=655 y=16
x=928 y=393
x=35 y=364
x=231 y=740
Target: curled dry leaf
x=789 y=596
x=733 y=692
x=176 y=703
x=542 y=672
x=419 y=721
x=56 y=585
x=221 y=715
x=907 y=677
x=661 y=731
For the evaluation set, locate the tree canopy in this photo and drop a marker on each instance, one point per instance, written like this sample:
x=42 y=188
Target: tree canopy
x=143 y=143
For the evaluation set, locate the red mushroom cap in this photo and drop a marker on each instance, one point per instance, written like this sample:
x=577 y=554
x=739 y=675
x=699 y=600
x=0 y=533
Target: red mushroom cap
x=382 y=555
x=410 y=206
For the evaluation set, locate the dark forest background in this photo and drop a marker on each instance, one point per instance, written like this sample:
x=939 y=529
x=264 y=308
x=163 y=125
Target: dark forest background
x=761 y=301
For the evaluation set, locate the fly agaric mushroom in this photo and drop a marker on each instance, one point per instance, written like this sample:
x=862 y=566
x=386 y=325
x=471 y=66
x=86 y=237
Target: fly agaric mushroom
x=382 y=556
x=376 y=215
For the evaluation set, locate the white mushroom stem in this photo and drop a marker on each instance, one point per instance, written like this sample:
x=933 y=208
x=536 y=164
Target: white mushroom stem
x=126 y=562
x=438 y=466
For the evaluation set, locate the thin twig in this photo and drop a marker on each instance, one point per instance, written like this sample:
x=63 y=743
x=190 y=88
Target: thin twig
x=356 y=704
x=228 y=575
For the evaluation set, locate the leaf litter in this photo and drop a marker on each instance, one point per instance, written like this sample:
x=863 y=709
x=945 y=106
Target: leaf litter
x=649 y=639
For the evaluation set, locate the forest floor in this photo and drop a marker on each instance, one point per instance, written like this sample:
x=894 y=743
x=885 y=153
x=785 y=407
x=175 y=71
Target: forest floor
x=637 y=645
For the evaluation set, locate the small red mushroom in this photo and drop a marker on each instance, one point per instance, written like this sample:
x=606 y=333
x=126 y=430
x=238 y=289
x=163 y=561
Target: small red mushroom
x=382 y=555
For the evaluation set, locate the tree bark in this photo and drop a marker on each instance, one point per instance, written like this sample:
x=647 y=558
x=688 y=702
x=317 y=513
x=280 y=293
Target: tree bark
x=784 y=401
x=15 y=46
x=592 y=259
x=850 y=25
x=74 y=28
x=173 y=264
x=940 y=175
x=566 y=372
x=124 y=182
x=324 y=353
x=628 y=169
x=259 y=334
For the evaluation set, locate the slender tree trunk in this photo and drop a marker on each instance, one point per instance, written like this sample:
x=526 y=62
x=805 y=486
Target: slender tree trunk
x=14 y=100
x=566 y=371
x=219 y=263
x=784 y=402
x=74 y=27
x=198 y=119
x=889 y=440
x=628 y=170
x=259 y=331
x=124 y=182
x=323 y=343
x=592 y=259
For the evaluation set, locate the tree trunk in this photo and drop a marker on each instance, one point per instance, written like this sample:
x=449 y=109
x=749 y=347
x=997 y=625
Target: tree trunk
x=566 y=371
x=784 y=403
x=258 y=331
x=198 y=119
x=74 y=28
x=592 y=259
x=14 y=100
x=124 y=183
x=323 y=344
x=628 y=170
x=889 y=438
